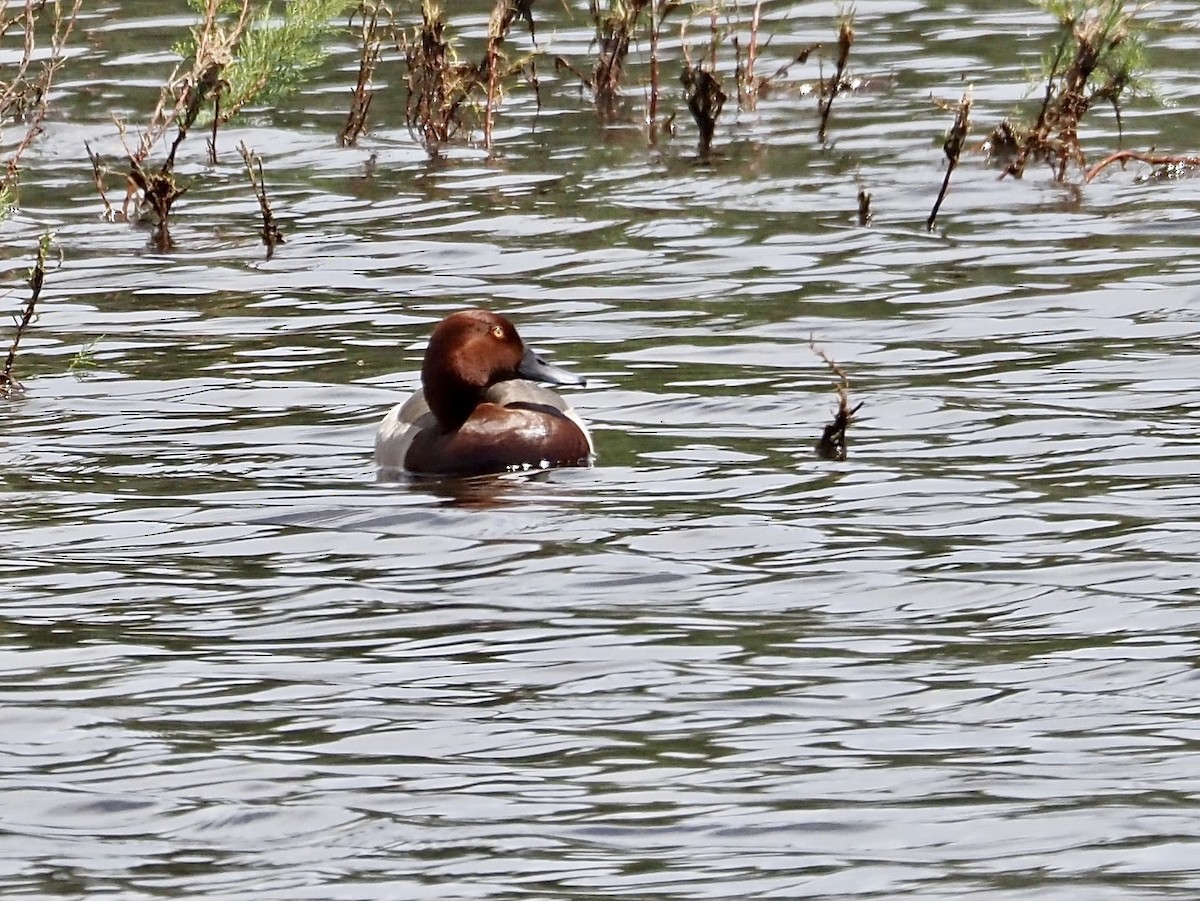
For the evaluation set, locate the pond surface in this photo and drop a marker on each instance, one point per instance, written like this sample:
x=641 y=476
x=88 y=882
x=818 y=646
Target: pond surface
x=960 y=663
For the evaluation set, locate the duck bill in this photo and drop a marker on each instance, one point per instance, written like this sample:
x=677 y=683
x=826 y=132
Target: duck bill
x=536 y=369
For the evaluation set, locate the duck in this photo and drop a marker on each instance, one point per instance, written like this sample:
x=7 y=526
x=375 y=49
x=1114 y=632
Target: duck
x=480 y=408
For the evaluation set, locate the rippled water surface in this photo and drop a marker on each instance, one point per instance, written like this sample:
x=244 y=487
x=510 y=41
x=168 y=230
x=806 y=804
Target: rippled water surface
x=960 y=663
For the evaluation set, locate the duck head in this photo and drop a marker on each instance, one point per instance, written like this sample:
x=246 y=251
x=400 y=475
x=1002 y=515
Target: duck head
x=469 y=352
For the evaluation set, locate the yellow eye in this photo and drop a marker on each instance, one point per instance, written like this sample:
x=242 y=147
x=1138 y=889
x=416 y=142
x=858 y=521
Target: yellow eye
x=497 y=332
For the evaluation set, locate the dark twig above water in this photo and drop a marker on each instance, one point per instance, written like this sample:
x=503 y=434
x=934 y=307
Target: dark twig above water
x=952 y=147
x=832 y=444
x=270 y=231
x=834 y=87
x=99 y=170
x=368 y=60
x=37 y=276
x=614 y=32
x=865 y=215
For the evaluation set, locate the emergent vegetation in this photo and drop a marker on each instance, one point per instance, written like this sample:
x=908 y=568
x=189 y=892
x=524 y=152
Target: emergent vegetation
x=25 y=85
x=1098 y=59
x=37 y=276
x=235 y=57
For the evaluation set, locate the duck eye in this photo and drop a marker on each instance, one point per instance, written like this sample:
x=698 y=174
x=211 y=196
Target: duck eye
x=498 y=332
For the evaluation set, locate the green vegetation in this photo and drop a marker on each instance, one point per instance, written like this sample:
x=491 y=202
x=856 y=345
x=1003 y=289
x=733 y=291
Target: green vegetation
x=237 y=57
x=1099 y=58
x=84 y=360
x=270 y=54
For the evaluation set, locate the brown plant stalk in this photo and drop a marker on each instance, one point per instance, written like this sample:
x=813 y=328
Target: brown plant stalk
x=37 y=276
x=270 y=233
x=952 y=147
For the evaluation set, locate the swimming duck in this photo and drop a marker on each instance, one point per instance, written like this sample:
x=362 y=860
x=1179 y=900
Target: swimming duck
x=478 y=409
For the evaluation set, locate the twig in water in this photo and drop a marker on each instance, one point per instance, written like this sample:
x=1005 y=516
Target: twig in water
x=953 y=148
x=702 y=87
x=270 y=231
x=705 y=100
x=504 y=14
x=99 y=170
x=659 y=9
x=362 y=95
x=832 y=445
x=864 y=207
x=1098 y=59
x=37 y=276
x=1152 y=159
x=845 y=42
x=614 y=32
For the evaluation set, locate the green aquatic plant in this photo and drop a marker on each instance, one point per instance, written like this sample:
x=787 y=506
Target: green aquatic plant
x=84 y=360
x=1098 y=58
x=274 y=54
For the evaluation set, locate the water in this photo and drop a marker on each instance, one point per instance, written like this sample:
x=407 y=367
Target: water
x=960 y=663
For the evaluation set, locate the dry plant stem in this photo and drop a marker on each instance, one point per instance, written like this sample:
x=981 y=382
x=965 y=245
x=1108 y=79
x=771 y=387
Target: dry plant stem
x=212 y=141
x=659 y=10
x=99 y=170
x=702 y=87
x=845 y=42
x=18 y=96
x=752 y=51
x=832 y=444
x=440 y=88
x=159 y=192
x=652 y=106
x=864 y=208
x=437 y=85
x=1094 y=43
x=37 y=276
x=613 y=34
x=362 y=95
x=1153 y=159
x=182 y=97
x=504 y=13
x=953 y=149
x=270 y=231
x=747 y=83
